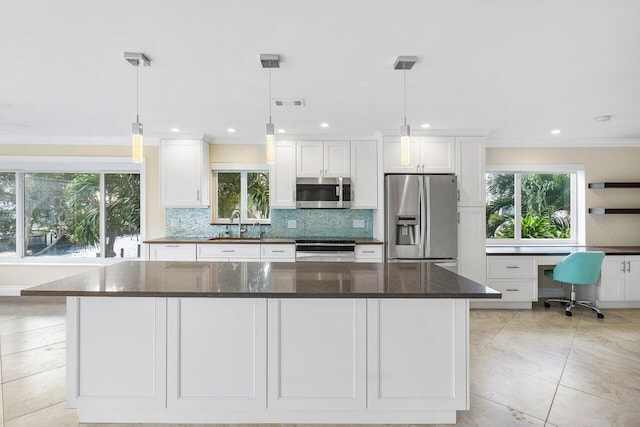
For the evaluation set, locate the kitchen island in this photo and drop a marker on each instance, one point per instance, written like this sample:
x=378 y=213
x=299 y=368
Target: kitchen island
x=193 y=342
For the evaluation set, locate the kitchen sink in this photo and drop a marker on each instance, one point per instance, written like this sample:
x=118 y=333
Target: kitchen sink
x=235 y=239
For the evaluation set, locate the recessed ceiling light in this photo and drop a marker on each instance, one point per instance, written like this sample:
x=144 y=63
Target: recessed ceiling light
x=555 y=132
x=426 y=125
x=324 y=125
x=603 y=118
x=175 y=130
x=281 y=131
x=231 y=130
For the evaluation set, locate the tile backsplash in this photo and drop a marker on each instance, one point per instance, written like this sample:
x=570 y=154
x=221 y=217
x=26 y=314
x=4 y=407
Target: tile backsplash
x=196 y=222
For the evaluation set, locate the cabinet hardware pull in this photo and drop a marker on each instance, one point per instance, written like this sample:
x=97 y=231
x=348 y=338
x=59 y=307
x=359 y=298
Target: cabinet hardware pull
x=231 y=250
x=418 y=168
x=624 y=263
x=422 y=168
x=512 y=266
x=629 y=267
x=513 y=290
x=367 y=252
x=170 y=246
x=458 y=195
x=198 y=195
x=277 y=252
x=325 y=172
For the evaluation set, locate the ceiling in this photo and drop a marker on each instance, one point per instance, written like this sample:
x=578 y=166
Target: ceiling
x=510 y=69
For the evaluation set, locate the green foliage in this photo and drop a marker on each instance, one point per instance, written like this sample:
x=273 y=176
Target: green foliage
x=228 y=193
x=7 y=212
x=258 y=194
x=532 y=227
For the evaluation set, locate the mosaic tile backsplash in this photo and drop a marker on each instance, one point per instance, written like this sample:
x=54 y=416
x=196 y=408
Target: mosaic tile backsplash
x=196 y=222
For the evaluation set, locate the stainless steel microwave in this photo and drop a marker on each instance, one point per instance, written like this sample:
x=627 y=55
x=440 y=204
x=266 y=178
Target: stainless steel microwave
x=323 y=193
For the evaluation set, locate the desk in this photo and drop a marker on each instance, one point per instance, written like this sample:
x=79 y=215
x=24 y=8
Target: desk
x=515 y=271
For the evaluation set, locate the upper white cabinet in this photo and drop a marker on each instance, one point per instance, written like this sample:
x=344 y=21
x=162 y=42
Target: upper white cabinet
x=470 y=169
x=323 y=159
x=426 y=155
x=184 y=173
x=283 y=175
x=364 y=175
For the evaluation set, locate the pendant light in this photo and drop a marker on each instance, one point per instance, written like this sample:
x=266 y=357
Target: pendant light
x=405 y=63
x=137 y=59
x=270 y=61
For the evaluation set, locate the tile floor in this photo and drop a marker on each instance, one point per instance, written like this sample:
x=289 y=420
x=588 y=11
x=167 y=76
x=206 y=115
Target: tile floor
x=528 y=367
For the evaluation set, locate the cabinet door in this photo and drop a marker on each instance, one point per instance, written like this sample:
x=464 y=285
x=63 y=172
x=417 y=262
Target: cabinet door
x=278 y=252
x=184 y=175
x=230 y=251
x=172 y=252
x=309 y=159
x=632 y=282
x=612 y=279
x=392 y=164
x=283 y=175
x=317 y=354
x=117 y=353
x=364 y=174
x=337 y=159
x=216 y=353
x=470 y=170
x=471 y=243
x=368 y=253
x=437 y=155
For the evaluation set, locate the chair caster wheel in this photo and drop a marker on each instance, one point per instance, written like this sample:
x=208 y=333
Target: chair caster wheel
x=563 y=303
x=546 y=304
x=568 y=313
x=600 y=316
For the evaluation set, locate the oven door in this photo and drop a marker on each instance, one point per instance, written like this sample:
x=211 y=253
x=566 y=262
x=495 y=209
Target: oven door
x=325 y=252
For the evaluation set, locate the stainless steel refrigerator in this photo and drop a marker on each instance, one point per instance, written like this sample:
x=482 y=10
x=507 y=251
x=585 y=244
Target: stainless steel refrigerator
x=421 y=217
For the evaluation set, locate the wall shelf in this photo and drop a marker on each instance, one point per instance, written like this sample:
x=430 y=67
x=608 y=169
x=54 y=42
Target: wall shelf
x=599 y=185
x=611 y=211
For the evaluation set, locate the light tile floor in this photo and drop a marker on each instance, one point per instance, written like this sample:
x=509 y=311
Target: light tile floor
x=528 y=367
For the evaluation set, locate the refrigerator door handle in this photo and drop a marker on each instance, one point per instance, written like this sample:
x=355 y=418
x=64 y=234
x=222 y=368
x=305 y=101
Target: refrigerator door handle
x=424 y=225
x=427 y=214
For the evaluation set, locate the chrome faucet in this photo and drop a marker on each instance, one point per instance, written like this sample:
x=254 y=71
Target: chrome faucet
x=236 y=213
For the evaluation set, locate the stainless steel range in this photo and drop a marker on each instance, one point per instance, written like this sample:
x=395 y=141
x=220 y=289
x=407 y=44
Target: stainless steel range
x=325 y=250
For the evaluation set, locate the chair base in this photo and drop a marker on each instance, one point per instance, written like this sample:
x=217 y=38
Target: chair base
x=570 y=303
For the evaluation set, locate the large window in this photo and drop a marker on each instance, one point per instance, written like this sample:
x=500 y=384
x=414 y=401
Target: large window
x=530 y=207
x=64 y=214
x=246 y=191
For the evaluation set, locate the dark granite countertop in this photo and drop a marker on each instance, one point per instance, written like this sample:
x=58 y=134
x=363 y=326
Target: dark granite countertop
x=267 y=280
x=560 y=250
x=265 y=240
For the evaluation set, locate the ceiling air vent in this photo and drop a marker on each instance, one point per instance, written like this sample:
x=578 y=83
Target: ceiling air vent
x=295 y=102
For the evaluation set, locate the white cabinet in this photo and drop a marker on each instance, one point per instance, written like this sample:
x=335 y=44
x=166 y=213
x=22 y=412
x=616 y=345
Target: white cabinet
x=317 y=354
x=620 y=279
x=426 y=155
x=368 y=253
x=471 y=243
x=323 y=159
x=277 y=252
x=516 y=277
x=172 y=252
x=282 y=186
x=116 y=359
x=228 y=252
x=470 y=169
x=364 y=175
x=216 y=354
x=184 y=173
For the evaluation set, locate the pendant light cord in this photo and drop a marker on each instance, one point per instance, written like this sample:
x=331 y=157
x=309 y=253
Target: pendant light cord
x=137 y=91
x=405 y=96
x=269 y=95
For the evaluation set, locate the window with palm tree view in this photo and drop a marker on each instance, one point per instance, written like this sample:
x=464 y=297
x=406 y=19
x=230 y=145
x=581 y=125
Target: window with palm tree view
x=529 y=206
x=70 y=214
x=245 y=191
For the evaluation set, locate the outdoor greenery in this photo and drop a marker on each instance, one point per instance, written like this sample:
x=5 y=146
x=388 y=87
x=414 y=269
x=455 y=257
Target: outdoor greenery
x=545 y=201
x=7 y=213
x=229 y=190
x=63 y=209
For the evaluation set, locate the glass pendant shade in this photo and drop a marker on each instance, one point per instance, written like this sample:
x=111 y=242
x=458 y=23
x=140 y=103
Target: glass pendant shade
x=404 y=145
x=136 y=131
x=271 y=141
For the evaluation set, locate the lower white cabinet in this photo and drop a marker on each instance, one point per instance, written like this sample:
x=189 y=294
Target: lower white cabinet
x=228 y=252
x=317 y=354
x=620 y=279
x=216 y=353
x=277 y=252
x=516 y=277
x=471 y=243
x=368 y=253
x=116 y=353
x=172 y=252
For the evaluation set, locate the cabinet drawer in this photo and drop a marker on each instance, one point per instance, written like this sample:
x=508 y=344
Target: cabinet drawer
x=278 y=251
x=369 y=253
x=172 y=252
x=511 y=266
x=229 y=250
x=515 y=289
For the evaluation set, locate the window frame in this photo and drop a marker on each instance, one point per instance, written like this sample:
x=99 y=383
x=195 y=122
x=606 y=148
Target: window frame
x=71 y=164
x=577 y=202
x=243 y=169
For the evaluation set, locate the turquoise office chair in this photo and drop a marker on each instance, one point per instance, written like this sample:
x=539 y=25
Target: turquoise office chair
x=579 y=268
